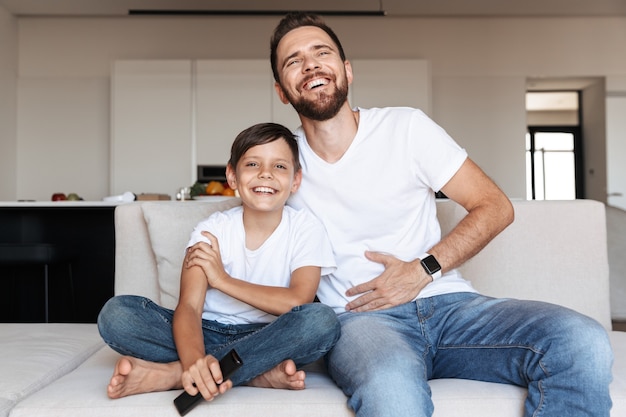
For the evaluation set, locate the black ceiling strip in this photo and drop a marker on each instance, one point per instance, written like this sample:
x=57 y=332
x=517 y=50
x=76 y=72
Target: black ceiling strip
x=165 y=12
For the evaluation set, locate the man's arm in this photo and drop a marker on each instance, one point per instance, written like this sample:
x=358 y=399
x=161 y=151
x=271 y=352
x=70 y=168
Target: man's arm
x=489 y=212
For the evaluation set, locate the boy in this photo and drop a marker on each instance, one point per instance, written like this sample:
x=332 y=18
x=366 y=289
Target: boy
x=247 y=277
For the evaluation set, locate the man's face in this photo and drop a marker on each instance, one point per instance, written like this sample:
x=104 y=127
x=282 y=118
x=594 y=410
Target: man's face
x=313 y=78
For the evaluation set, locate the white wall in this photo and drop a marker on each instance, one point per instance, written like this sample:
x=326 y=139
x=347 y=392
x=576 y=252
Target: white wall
x=8 y=97
x=479 y=68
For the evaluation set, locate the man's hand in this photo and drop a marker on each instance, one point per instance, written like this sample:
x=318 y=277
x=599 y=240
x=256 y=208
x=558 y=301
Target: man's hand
x=398 y=284
x=207 y=256
x=205 y=376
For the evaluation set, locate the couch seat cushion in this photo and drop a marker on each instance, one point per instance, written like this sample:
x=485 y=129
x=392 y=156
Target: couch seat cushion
x=83 y=392
x=35 y=354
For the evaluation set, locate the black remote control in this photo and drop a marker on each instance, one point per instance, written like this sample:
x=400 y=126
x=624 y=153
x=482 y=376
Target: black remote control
x=228 y=364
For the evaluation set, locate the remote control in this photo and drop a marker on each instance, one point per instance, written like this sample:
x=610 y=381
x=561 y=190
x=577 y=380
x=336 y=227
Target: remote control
x=228 y=364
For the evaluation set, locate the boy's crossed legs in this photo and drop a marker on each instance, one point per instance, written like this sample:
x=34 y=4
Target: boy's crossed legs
x=141 y=330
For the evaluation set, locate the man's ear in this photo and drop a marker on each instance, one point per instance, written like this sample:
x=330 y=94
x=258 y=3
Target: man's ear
x=349 y=76
x=281 y=93
x=231 y=177
x=297 y=180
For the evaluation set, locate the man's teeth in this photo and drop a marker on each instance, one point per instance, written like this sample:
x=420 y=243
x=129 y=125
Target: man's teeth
x=264 y=190
x=316 y=83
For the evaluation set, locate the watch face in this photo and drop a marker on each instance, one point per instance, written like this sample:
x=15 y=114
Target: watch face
x=430 y=264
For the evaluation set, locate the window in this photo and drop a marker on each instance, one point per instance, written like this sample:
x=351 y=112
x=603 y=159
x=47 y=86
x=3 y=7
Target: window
x=553 y=146
x=552 y=166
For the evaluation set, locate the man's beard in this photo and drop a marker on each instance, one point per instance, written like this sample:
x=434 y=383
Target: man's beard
x=325 y=107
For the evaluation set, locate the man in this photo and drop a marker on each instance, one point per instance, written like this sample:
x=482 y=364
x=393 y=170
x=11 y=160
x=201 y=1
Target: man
x=407 y=315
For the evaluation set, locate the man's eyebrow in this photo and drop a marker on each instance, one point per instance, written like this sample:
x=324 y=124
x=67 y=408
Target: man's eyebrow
x=315 y=47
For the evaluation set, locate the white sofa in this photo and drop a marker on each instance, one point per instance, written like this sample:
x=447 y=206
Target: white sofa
x=554 y=251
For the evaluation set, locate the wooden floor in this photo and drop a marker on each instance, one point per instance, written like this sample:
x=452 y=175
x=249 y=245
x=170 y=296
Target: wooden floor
x=619 y=326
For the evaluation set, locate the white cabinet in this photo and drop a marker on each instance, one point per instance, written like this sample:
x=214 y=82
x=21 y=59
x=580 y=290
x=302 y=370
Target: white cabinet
x=168 y=116
x=151 y=126
x=230 y=97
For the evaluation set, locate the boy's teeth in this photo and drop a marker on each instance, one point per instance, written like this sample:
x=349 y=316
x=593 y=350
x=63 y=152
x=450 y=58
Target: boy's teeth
x=264 y=190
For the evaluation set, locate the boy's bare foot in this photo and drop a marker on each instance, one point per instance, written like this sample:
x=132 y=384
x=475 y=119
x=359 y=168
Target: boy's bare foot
x=284 y=376
x=135 y=376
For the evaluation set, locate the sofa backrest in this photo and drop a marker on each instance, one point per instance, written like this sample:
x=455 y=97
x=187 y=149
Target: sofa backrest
x=554 y=251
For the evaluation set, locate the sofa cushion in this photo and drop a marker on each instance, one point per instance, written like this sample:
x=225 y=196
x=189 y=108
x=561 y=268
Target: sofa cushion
x=83 y=392
x=5 y=406
x=169 y=226
x=36 y=354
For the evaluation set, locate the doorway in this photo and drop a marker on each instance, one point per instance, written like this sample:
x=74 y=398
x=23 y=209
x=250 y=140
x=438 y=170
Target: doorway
x=554 y=163
x=554 y=159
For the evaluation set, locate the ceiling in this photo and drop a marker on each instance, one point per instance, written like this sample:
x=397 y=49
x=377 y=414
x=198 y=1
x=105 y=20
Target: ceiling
x=397 y=8
x=426 y=8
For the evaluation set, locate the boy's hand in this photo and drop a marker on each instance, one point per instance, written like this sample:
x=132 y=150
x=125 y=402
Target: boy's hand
x=205 y=376
x=207 y=256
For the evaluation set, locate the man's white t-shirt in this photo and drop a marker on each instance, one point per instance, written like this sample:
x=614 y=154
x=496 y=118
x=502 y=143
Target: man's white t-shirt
x=299 y=240
x=379 y=197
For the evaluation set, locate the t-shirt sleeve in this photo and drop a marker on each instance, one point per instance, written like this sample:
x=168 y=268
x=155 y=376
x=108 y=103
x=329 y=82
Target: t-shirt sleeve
x=311 y=244
x=437 y=156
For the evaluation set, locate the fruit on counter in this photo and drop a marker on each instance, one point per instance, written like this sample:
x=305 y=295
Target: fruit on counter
x=228 y=192
x=214 y=188
x=73 y=197
x=58 y=197
x=197 y=189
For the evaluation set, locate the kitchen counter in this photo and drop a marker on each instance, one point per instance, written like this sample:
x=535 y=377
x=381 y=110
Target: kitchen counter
x=83 y=228
x=55 y=204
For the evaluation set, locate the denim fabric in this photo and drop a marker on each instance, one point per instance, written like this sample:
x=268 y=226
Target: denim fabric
x=136 y=326
x=383 y=359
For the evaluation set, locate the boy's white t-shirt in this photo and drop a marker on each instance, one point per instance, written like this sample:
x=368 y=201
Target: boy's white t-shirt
x=379 y=197
x=299 y=240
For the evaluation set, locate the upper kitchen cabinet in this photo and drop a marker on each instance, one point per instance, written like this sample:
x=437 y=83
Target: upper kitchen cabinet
x=170 y=116
x=231 y=95
x=151 y=126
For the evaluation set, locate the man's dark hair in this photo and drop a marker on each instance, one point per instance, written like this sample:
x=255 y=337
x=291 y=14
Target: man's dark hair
x=297 y=20
x=261 y=134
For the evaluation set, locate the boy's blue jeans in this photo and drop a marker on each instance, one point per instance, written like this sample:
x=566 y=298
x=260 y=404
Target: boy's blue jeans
x=383 y=359
x=136 y=326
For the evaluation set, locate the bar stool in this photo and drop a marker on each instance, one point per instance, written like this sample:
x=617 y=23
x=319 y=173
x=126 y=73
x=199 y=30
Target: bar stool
x=46 y=254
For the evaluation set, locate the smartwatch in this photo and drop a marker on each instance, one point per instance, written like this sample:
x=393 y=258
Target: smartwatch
x=431 y=266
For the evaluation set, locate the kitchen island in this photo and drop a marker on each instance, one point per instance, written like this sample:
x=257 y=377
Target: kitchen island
x=84 y=231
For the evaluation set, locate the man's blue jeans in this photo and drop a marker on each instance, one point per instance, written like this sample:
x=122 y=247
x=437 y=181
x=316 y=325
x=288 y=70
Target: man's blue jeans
x=383 y=359
x=136 y=326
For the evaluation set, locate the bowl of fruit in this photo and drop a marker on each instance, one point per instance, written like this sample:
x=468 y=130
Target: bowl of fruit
x=213 y=190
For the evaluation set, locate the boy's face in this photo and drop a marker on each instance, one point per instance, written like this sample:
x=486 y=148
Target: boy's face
x=265 y=176
x=311 y=70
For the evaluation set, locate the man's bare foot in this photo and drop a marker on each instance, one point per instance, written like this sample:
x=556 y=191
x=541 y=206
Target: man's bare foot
x=135 y=376
x=285 y=375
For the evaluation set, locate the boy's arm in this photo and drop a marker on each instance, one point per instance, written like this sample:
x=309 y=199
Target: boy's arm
x=187 y=322
x=201 y=372
x=273 y=300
